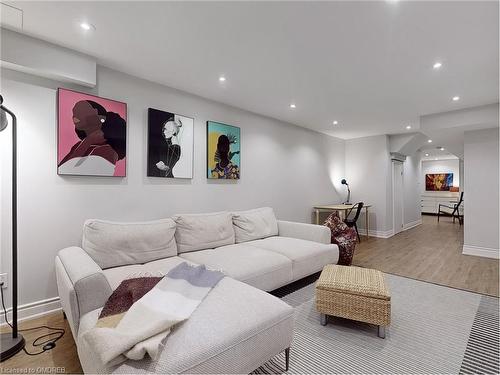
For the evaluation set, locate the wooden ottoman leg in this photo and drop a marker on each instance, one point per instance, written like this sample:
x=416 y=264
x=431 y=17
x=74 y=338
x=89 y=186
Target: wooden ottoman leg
x=381 y=332
x=322 y=319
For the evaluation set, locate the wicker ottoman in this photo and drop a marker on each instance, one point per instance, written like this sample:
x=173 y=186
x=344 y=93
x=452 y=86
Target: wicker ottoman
x=354 y=293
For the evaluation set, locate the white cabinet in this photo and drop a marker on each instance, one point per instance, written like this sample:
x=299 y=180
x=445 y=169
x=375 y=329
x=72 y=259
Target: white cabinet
x=430 y=202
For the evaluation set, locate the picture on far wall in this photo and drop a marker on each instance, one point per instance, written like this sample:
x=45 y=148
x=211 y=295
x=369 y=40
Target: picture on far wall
x=170 y=144
x=91 y=135
x=223 y=151
x=438 y=182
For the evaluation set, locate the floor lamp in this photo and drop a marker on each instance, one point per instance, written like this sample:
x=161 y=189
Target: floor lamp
x=12 y=343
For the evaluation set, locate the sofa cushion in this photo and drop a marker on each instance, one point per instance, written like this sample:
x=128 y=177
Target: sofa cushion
x=113 y=244
x=254 y=224
x=203 y=231
x=235 y=330
x=307 y=257
x=266 y=270
x=161 y=266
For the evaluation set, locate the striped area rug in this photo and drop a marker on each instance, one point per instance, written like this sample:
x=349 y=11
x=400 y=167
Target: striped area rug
x=481 y=355
x=434 y=329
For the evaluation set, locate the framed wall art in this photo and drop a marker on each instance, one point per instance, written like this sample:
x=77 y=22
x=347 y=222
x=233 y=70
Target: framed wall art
x=170 y=144
x=223 y=151
x=438 y=181
x=92 y=135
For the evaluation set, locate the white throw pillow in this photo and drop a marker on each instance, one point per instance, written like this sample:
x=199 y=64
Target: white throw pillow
x=113 y=244
x=203 y=231
x=254 y=224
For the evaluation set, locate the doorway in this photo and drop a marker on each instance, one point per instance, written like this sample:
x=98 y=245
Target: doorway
x=397 y=196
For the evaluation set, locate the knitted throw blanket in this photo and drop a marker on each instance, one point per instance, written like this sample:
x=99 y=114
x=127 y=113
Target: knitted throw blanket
x=140 y=313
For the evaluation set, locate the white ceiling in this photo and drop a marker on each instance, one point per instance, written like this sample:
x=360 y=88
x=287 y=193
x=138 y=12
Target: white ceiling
x=436 y=154
x=366 y=64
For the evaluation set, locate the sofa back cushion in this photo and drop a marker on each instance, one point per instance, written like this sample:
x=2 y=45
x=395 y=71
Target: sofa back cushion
x=203 y=231
x=254 y=224
x=113 y=244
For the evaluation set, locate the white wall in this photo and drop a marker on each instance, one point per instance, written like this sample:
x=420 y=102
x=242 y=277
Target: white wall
x=440 y=166
x=283 y=166
x=368 y=172
x=368 y=168
x=481 y=168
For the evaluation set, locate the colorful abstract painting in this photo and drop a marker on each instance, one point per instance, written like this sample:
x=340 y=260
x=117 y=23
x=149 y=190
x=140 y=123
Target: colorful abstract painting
x=170 y=144
x=92 y=135
x=223 y=151
x=438 y=181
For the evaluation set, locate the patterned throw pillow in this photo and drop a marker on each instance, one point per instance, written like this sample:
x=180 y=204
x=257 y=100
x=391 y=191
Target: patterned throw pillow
x=343 y=236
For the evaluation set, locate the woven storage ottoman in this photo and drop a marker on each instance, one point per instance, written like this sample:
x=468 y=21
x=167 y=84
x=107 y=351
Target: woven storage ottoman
x=354 y=293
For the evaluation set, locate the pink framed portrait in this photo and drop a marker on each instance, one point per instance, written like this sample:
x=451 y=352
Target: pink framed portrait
x=92 y=135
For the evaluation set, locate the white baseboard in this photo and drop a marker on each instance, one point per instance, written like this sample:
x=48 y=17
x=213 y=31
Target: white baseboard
x=377 y=233
x=486 y=252
x=33 y=310
x=412 y=224
x=389 y=233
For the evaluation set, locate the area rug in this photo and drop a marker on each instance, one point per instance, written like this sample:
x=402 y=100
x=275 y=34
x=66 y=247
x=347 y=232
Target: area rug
x=434 y=329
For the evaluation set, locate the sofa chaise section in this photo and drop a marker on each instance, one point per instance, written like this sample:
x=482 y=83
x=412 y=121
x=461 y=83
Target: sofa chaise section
x=235 y=330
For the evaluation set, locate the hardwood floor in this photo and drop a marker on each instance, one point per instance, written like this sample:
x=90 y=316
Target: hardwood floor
x=63 y=359
x=431 y=252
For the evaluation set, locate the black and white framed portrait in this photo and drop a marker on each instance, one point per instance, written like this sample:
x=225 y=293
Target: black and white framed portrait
x=170 y=144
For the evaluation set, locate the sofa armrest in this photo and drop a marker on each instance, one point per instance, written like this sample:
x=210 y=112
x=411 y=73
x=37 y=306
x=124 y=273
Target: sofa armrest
x=81 y=284
x=310 y=232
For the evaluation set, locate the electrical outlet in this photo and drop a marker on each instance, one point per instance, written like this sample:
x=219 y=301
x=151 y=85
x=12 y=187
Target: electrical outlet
x=4 y=279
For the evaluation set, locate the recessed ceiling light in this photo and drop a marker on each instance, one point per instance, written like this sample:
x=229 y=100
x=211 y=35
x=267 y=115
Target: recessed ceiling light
x=442 y=148
x=435 y=158
x=335 y=122
x=426 y=154
x=222 y=79
x=429 y=140
x=437 y=65
x=87 y=26
x=408 y=127
x=293 y=106
x=455 y=98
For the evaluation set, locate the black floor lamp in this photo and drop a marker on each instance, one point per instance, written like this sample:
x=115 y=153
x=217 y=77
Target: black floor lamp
x=14 y=342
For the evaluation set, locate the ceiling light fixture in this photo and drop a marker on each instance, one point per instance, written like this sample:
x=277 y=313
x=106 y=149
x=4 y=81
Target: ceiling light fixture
x=442 y=148
x=335 y=122
x=408 y=127
x=426 y=154
x=222 y=79
x=429 y=140
x=455 y=98
x=437 y=65
x=87 y=26
x=435 y=158
x=293 y=106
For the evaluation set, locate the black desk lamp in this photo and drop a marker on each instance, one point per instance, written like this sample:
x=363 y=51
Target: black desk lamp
x=12 y=343
x=344 y=182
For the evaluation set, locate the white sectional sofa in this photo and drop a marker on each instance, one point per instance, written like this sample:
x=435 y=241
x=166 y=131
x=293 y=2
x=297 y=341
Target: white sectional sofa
x=238 y=327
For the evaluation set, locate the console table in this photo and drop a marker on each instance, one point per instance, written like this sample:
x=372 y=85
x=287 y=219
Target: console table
x=342 y=208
